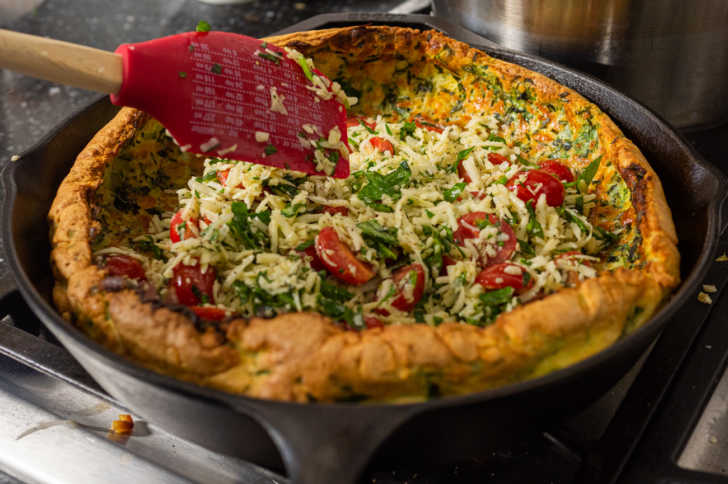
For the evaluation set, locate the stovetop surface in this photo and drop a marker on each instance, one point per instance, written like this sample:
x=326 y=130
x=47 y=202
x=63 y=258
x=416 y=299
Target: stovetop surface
x=666 y=420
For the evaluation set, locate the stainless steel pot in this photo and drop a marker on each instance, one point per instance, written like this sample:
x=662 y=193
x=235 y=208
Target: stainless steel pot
x=671 y=55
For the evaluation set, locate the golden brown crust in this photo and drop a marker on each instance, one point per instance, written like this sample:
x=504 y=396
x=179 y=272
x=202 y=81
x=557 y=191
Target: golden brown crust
x=304 y=356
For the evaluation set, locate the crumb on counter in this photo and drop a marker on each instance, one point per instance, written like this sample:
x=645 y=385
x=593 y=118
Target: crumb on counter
x=262 y=136
x=710 y=288
x=15 y=158
x=123 y=425
x=704 y=298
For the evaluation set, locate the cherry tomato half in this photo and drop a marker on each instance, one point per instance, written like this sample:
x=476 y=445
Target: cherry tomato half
x=316 y=263
x=402 y=278
x=191 y=285
x=463 y=173
x=428 y=126
x=123 y=265
x=446 y=261
x=503 y=275
x=339 y=260
x=468 y=229
x=222 y=176
x=209 y=313
x=174 y=226
x=372 y=322
x=351 y=122
x=497 y=158
x=535 y=184
x=334 y=210
x=560 y=171
x=381 y=144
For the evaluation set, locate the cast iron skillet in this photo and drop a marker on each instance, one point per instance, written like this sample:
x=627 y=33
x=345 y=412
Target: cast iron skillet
x=322 y=443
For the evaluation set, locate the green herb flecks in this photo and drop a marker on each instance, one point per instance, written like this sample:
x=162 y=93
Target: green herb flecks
x=216 y=69
x=587 y=140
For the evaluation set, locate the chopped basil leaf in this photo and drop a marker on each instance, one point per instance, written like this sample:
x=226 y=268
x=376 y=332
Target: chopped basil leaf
x=305 y=245
x=292 y=210
x=264 y=303
x=270 y=149
x=587 y=174
x=498 y=296
x=574 y=218
x=378 y=185
x=382 y=239
x=216 y=69
x=464 y=153
x=525 y=162
x=408 y=129
x=334 y=291
x=209 y=176
x=498 y=139
x=533 y=227
x=182 y=74
x=372 y=228
x=452 y=194
x=242 y=229
x=526 y=248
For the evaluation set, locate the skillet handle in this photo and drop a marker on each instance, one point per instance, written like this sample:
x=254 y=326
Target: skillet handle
x=322 y=443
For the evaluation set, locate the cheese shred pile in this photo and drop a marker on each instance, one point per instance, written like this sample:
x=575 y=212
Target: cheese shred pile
x=401 y=205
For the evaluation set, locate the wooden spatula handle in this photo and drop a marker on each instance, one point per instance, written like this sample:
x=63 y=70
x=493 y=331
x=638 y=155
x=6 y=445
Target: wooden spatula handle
x=61 y=62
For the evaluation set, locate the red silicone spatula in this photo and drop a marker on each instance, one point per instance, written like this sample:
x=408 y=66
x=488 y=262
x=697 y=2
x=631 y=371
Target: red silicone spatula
x=219 y=94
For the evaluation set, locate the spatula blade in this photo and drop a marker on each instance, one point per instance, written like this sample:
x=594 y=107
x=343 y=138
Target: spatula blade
x=231 y=96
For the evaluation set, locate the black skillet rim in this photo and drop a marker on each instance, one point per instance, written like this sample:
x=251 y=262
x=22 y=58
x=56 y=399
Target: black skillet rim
x=647 y=331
